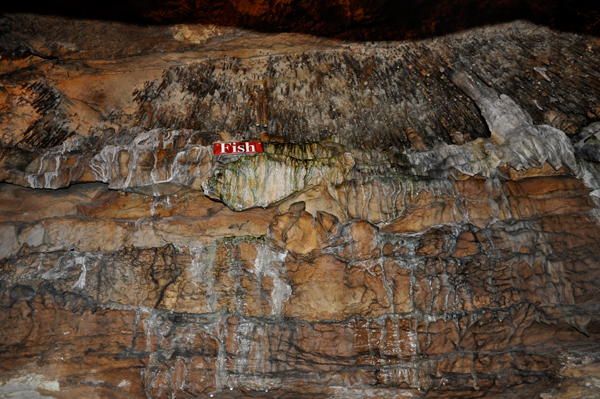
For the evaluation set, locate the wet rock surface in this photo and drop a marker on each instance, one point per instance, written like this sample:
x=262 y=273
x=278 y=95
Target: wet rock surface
x=467 y=305
x=441 y=243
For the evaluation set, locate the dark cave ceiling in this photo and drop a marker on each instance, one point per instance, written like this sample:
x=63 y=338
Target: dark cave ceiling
x=342 y=19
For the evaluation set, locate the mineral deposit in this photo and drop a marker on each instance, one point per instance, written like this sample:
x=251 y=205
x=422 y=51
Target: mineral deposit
x=424 y=220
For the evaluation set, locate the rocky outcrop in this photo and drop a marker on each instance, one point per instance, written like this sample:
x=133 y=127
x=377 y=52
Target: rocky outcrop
x=412 y=229
x=433 y=304
x=303 y=89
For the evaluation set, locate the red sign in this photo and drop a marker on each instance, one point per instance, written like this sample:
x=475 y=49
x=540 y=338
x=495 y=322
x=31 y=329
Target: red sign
x=248 y=147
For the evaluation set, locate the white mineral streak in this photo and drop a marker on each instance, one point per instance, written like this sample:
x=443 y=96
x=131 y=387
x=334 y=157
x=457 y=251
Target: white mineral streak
x=386 y=284
x=67 y=264
x=10 y=243
x=151 y=161
x=49 y=177
x=244 y=336
x=515 y=141
x=26 y=387
x=591 y=178
x=251 y=336
x=31 y=179
x=219 y=332
x=162 y=337
x=123 y=384
x=270 y=263
x=252 y=364
x=53 y=170
x=80 y=284
x=203 y=259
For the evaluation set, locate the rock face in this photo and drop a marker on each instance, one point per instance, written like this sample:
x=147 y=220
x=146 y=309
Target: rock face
x=422 y=223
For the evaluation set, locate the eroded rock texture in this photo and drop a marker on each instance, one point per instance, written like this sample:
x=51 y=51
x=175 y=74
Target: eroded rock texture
x=423 y=222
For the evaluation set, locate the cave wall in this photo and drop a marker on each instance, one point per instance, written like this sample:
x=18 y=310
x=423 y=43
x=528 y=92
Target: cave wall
x=423 y=222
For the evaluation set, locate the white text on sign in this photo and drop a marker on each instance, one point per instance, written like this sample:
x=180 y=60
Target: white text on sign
x=247 y=147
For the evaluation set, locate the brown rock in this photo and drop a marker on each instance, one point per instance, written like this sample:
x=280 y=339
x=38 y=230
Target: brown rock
x=425 y=212
x=302 y=237
x=432 y=243
x=324 y=289
x=416 y=140
x=327 y=227
x=466 y=245
x=400 y=281
x=363 y=240
x=279 y=227
x=317 y=199
x=271 y=138
x=299 y=232
x=358 y=262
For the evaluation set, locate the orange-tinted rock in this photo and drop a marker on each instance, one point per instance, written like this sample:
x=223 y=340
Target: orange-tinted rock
x=324 y=290
x=298 y=231
x=279 y=227
x=358 y=262
x=317 y=199
x=439 y=293
x=66 y=345
x=433 y=242
x=399 y=279
x=302 y=237
x=91 y=218
x=466 y=245
x=425 y=212
x=363 y=240
x=327 y=226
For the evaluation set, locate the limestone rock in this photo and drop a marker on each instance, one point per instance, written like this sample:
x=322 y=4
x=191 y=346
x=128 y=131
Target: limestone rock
x=367 y=298
x=587 y=142
x=91 y=218
x=263 y=179
x=302 y=236
x=155 y=163
x=299 y=232
x=316 y=199
x=375 y=252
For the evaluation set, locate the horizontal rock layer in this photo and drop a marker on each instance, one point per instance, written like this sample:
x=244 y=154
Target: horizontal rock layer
x=467 y=302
